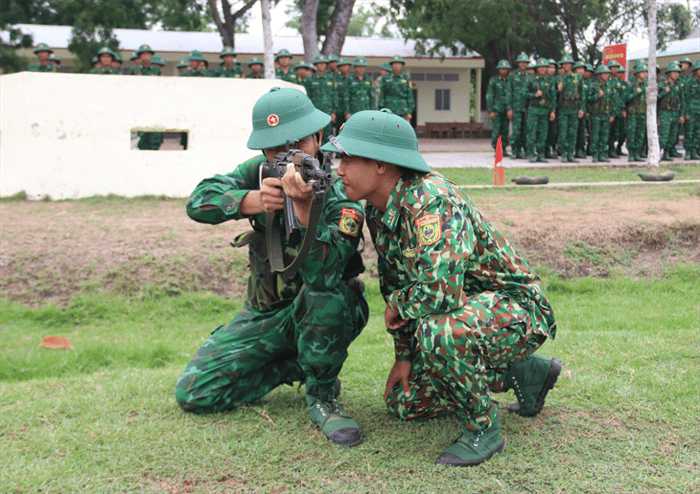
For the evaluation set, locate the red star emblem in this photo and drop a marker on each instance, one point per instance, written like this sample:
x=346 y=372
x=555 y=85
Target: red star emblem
x=273 y=120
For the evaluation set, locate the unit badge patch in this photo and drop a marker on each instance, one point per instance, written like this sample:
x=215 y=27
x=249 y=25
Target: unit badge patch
x=350 y=222
x=429 y=229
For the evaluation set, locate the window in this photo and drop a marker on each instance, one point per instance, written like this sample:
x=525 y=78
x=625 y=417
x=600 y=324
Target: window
x=442 y=100
x=435 y=76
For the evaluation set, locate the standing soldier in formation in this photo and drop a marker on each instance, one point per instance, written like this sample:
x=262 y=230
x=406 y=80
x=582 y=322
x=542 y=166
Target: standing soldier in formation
x=302 y=70
x=550 y=149
x=580 y=149
x=634 y=96
x=361 y=92
x=497 y=105
x=158 y=62
x=105 y=56
x=684 y=79
x=145 y=53
x=671 y=109
x=342 y=88
x=540 y=93
x=117 y=63
x=516 y=105
x=618 y=127
x=182 y=65
x=285 y=71
x=384 y=70
x=692 y=125
x=395 y=90
x=230 y=68
x=43 y=51
x=321 y=89
x=255 y=65
x=602 y=100
x=134 y=59
x=56 y=61
x=569 y=108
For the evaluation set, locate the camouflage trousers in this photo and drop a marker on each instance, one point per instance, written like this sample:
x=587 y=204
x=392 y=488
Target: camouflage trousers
x=600 y=130
x=636 y=131
x=553 y=133
x=537 y=128
x=500 y=128
x=518 y=133
x=581 y=134
x=463 y=356
x=691 y=141
x=668 y=129
x=568 y=131
x=618 y=131
x=257 y=351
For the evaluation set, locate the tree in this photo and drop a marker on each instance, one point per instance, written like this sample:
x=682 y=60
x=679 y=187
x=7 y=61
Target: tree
x=652 y=135
x=322 y=16
x=226 y=19
x=673 y=22
x=364 y=22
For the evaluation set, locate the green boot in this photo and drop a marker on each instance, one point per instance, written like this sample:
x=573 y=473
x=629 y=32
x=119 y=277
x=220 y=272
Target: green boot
x=666 y=156
x=531 y=379
x=471 y=447
x=571 y=158
x=602 y=157
x=335 y=424
x=580 y=154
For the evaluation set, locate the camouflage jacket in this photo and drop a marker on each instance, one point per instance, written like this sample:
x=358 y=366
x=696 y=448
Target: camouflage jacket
x=497 y=95
x=290 y=76
x=218 y=199
x=671 y=100
x=546 y=103
x=692 y=96
x=223 y=71
x=570 y=97
x=635 y=101
x=515 y=98
x=618 y=86
x=342 y=85
x=434 y=248
x=396 y=94
x=253 y=76
x=37 y=67
x=605 y=104
x=142 y=70
x=103 y=71
x=321 y=91
x=361 y=95
x=197 y=73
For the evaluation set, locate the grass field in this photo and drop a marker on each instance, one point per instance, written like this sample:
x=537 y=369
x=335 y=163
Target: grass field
x=101 y=418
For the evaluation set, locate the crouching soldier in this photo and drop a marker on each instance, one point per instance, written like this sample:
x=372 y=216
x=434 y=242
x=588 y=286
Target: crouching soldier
x=465 y=311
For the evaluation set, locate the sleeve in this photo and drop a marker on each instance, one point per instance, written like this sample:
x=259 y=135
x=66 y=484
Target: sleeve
x=490 y=95
x=410 y=102
x=509 y=93
x=381 y=90
x=444 y=238
x=337 y=237
x=218 y=199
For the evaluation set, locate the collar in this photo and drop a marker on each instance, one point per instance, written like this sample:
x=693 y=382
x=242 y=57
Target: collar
x=393 y=206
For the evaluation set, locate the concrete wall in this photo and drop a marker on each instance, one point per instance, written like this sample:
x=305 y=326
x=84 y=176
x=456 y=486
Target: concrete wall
x=68 y=135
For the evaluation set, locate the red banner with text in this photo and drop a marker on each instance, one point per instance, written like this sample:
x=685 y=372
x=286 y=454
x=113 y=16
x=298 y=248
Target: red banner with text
x=616 y=52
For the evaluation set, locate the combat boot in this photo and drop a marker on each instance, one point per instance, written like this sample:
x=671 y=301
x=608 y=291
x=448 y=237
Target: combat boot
x=470 y=447
x=602 y=157
x=549 y=154
x=540 y=159
x=506 y=154
x=335 y=424
x=531 y=379
x=571 y=158
x=666 y=156
x=631 y=156
x=687 y=156
x=673 y=152
x=695 y=155
x=580 y=154
x=520 y=154
x=612 y=153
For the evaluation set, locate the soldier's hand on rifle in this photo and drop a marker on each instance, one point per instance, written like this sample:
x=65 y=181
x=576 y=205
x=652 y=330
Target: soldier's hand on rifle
x=639 y=89
x=271 y=194
x=299 y=192
x=668 y=89
x=624 y=114
x=560 y=86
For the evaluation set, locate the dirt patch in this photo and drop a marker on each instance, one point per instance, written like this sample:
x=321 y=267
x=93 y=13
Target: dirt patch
x=52 y=250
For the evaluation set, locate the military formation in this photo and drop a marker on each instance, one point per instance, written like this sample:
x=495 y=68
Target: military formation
x=570 y=110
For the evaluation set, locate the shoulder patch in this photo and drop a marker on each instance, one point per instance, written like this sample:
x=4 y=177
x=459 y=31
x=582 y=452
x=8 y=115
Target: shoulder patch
x=429 y=229
x=350 y=222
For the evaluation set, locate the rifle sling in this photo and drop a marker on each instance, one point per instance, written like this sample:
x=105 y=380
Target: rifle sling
x=274 y=239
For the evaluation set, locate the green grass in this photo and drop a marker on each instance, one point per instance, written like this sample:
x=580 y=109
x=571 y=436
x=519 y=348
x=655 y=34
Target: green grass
x=624 y=417
x=484 y=176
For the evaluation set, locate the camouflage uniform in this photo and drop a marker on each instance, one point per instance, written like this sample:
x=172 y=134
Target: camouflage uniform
x=570 y=102
x=37 y=67
x=322 y=92
x=516 y=103
x=290 y=76
x=619 y=125
x=289 y=330
x=141 y=69
x=691 y=142
x=496 y=102
x=223 y=71
x=360 y=94
x=342 y=92
x=636 y=117
x=103 y=71
x=601 y=108
x=472 y=304
x=670 y=109
x=538 y=113
x=148 y=140
x=582 y=134
x=396 y=94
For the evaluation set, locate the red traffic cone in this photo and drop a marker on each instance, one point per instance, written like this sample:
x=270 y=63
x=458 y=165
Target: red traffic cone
x=499 y=171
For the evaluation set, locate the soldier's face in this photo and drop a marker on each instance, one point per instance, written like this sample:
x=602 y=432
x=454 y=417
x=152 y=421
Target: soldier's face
x=551 y=70
x=685 y=66
x=642 y=75
x=673 y=75
x=396 y=67
x=43 y=55
x=580 y=70
x=106 y=60
x=503 y=72
x=284 y=61
x=567 y=67
x=360 y=177
x=603 y=76
x=321 y=67
x=256 y=68
x=360 y=69
x=541 y=71
x=146 y=57
x=344 y=69
x=333 y=66
x=116 y=64
x=228 y=60
x=614 y=70
x=522 y=66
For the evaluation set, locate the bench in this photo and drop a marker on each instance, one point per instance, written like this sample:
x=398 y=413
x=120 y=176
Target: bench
x=453 y=129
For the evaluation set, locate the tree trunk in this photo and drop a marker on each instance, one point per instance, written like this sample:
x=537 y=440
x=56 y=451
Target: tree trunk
x=227 y=26
x=267 y=37
x=338 y=29
x=652 y=91
x=309 y=9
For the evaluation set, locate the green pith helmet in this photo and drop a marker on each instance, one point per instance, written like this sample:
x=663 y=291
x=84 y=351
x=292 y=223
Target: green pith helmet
x=386 y=66
x=566 y=59
x=673 y=67
x=284 y=114
x=54 y=58
x=183 y=62
x=144 y=48
x=579 y=64
x=343 y=61
x=553 y=62
x=156 y=60
x=94 y=61
x=300 y=65
x=397 y=58
x=311 y=67
x=133 y=56
x=360 y=62
x=641 y=68
x=503 y=64
x=589 y=67
x=522 y=58
x=42 y=47
x=254 y=60
x=614 y=63
x=696 y=66
x=603 y=69
x=283 y=53
x=321 y=59
x=333 y=58
x=196 y=55
x=542 y=62
x=530 y=65
x=382 y=136
x=117 y=57
x=685 y=59
x=105 y=50
x=227 y=50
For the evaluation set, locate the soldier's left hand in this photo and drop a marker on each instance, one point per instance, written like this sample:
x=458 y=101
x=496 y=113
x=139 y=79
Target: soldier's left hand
x=580 y=114
x=552 y=116
x=560 y=86
x=612 y=119
x=299 y=192
x=681 y=120
x=392 y=319
x=624 y=114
